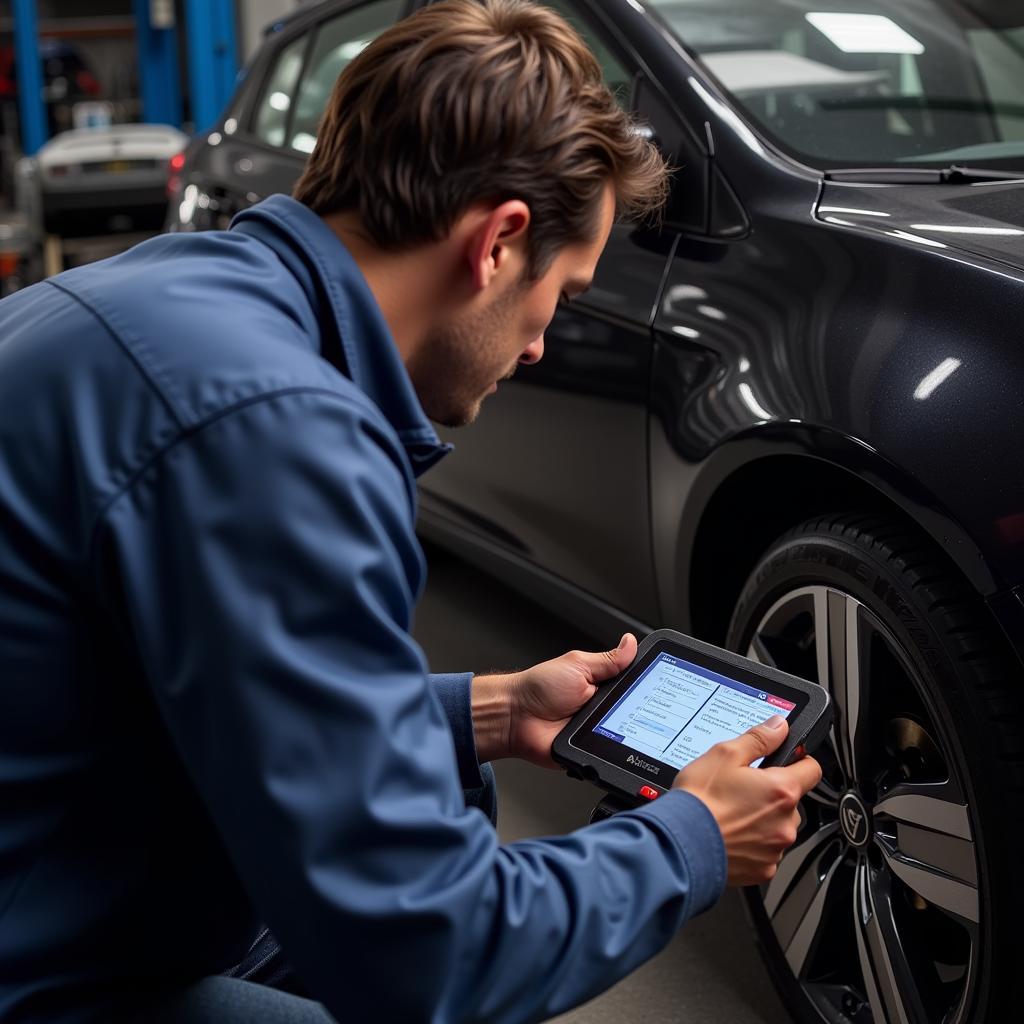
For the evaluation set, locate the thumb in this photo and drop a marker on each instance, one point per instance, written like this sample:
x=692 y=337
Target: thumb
x=762 y=740
x=605 y=664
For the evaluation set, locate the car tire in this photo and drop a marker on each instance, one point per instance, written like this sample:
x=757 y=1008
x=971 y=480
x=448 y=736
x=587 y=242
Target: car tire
x=901 y=900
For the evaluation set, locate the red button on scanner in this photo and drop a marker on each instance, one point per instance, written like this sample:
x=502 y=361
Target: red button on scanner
x=648 y=792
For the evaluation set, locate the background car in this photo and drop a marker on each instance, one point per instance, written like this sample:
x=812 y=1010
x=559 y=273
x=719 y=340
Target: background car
x=96 y=180
x=786 y=420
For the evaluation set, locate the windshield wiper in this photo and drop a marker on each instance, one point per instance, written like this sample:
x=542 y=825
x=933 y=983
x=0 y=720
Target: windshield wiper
x=954 y=174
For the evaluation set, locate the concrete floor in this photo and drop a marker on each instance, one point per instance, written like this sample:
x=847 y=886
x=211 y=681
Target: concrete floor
x=712 y=971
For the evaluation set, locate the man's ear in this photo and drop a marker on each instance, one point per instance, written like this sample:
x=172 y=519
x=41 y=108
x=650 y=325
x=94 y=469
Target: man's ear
x=497 y=244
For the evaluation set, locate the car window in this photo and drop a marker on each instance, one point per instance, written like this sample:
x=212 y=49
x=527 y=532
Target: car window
x=999 y=56
x=616 y=75
x=271 y=121
x=687 y=207
x=860 y=83
x=338 y=41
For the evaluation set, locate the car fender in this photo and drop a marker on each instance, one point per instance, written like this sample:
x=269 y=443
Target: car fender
x=739 y=471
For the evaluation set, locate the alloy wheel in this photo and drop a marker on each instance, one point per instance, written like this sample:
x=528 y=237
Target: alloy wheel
x=876 y=906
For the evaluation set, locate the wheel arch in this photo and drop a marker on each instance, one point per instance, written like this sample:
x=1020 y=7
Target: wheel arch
x=756 y=486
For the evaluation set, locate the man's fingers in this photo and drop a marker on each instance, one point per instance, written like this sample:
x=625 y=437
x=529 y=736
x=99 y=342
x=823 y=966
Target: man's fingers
x=806 y=771
x=605 y=664
x=762 y=740
x=800 y=776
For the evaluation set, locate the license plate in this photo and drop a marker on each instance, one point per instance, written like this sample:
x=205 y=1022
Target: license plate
x=117 y=166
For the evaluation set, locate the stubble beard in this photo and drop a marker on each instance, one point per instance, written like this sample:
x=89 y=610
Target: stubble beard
x=457 y=363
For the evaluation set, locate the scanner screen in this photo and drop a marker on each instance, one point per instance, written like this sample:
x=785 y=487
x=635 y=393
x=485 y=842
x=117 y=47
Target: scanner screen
x=676 y=710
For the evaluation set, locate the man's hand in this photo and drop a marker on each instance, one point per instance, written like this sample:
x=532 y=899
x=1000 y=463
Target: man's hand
x=519 y=715
x=755 y=807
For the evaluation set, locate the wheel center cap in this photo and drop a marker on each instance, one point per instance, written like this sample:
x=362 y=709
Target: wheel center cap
x=854 y=820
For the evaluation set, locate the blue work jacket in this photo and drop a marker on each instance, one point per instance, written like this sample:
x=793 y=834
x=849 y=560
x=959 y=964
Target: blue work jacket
x=211 y=709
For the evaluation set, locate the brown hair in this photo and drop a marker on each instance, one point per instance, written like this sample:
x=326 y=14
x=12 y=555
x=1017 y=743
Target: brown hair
x=469 y=101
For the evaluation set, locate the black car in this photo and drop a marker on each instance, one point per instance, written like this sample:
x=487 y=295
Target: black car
x=788 y=421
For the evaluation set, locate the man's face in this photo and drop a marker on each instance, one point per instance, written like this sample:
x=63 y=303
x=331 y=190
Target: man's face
x=463 y=361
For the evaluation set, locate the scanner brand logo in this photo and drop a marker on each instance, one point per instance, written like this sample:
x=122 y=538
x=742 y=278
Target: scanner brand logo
x=641 y=763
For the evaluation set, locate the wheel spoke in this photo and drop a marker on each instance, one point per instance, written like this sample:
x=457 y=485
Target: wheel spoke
x=888 y=979
x=825 y=794
x=843 y=655
x=794 y=863
x=758 y=651
x=924 y=833
x=934 y=806
x=822 y=658
x=952 y=895
x=819 y=597
x=795 y=899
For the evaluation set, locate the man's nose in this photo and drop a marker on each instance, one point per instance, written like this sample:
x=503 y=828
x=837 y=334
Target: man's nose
x=533 y=352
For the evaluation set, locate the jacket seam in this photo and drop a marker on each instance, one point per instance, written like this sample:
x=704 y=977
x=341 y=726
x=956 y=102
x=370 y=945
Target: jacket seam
x=334 y=295
x=189 y=432
x=130 y=353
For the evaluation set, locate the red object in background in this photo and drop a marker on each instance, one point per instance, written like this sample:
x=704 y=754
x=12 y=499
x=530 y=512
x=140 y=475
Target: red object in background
x=174 y=168
x=86 y=83
x=648 y=792
x=60 y=60
x=8 y=81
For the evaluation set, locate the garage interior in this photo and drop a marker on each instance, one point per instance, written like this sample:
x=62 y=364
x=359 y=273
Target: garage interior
x=134 y=82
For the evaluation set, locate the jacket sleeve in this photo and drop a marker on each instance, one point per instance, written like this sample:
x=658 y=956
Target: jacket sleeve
x=454 y=692
x=266 y=566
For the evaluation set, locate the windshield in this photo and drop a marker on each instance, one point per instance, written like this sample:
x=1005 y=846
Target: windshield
x=858 y=83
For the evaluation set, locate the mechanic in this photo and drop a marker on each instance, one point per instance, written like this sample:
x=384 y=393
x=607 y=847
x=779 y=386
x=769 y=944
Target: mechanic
x=212 y=713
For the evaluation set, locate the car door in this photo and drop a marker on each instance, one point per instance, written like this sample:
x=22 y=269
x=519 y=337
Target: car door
x=556 y=467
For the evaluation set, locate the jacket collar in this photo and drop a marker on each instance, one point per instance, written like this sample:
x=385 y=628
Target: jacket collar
x=354 y=334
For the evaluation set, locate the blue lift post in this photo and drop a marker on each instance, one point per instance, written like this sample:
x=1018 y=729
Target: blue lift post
x=158 y=68
x=212 y=57
x=31 y=108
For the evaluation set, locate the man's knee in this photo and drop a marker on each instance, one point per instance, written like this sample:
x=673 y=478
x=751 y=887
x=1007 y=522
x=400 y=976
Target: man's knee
x=222 y=1000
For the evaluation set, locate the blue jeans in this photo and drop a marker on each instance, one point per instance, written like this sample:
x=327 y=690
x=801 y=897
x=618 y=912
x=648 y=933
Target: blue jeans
x=232 y=1001
x=262 y=989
